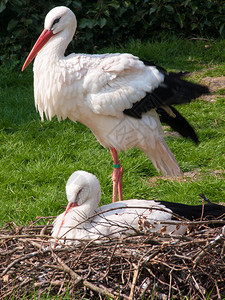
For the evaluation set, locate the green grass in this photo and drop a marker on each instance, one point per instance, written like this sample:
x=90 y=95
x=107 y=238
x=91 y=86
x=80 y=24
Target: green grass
x=37 y=158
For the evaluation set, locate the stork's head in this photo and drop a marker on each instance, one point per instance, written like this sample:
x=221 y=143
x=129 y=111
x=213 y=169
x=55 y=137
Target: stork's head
x=82 y=187
x=60 y=21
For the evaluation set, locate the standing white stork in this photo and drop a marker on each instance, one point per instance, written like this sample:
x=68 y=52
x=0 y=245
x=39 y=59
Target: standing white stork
x=116 y=95
x=83 y=219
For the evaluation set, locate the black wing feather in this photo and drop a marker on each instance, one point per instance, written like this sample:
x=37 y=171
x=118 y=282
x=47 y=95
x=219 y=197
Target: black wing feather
x=178 y=123
x=173 y=90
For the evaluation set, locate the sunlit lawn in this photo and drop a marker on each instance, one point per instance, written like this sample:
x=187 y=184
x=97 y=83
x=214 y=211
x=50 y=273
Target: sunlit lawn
x=37 y=158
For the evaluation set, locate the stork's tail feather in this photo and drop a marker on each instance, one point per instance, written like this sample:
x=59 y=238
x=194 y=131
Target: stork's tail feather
x=163 y=159
x=194 y=212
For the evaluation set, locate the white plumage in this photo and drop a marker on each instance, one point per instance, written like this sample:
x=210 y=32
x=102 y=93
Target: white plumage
x=84 y=220
x=96 y=90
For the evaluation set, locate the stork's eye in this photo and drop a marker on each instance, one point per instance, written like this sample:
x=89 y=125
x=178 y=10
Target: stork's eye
x=56 y=21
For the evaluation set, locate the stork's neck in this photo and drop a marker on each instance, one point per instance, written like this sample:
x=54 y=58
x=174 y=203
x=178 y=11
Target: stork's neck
x=82 y=212
x=55 y=48
x=90 y=203
x=87 y=209
x=50 y=76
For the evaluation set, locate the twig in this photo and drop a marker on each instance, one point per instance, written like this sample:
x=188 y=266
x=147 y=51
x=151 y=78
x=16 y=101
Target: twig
x=170 y=286
x=209 y=222
x=42 y=218
x=199 y=288
x=109 y=263
x=43 y=230
x=205 y=198
x=16 y=287
x=78 y=279
x=19 y=260
x=203 y=207
x=84 y=248
x=46 y=282
x=159 y=280
x=135 y=276
x=7 y=237
x=209 y=246
x=147 y=283
x=218 y=291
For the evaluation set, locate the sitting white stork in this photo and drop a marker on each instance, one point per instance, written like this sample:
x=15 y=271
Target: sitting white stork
x=118 y=96
x=84 y=220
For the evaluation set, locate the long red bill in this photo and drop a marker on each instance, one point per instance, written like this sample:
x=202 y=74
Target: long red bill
x=69 y=206
x=42 y=40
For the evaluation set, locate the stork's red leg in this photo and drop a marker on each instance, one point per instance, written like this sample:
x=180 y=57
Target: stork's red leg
x=117 y=176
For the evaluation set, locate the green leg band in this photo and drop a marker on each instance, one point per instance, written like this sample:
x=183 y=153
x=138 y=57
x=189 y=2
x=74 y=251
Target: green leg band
x=116 y=166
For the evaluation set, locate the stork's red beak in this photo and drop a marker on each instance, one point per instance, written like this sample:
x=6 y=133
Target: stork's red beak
x=69 y=206
x=42 y=40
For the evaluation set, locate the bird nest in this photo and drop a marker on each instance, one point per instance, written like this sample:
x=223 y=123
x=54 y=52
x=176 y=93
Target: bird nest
x=135 y=267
